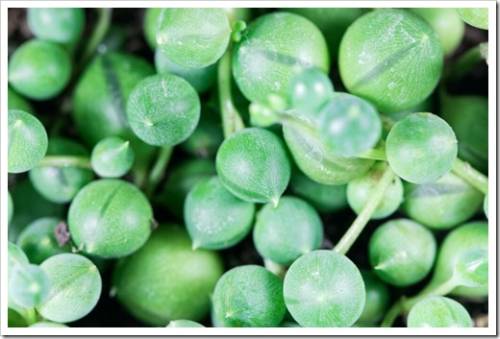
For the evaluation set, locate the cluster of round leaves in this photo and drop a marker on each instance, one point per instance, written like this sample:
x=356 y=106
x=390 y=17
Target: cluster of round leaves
x=280 y=61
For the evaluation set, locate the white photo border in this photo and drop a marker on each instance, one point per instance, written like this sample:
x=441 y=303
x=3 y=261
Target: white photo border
x=154 y=331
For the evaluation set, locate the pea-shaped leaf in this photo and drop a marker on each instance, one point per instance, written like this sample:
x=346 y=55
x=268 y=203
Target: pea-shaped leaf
x=28 y=285
x=349 y=125
x=402 y=73
x=184 y=323
x=313 y=158
x=442 y=204
x=360 y=189
x=248 y=296
x=216 y=219
x=75 y=287
x=62 y=25
x=402 y=252
x=200 y=78
x=39 y=69
x=112 y=157
x=253 y=165
x=275 y=48
x=110 y=218
x=284 y=233
x=377 y=300
x=477 y=17
x=309 y=90
x=447 y=24
x=324 y=289
x=60 y=184
x=421 y=148
x=163 y=110
x=27 y=141
x=462 y=261
x=38 y=240
x=324 y=198
x=436 y=311
x=193 y=37
x=166 y=279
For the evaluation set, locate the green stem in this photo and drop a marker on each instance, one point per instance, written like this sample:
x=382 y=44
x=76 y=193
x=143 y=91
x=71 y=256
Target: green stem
x=65 y=161
x=467 y=61
x=231 y=119
x=275 y=268
x=404 y=304
x=471 y=175
x=362 y=219
x=100 y=31
x=30 y=316
x=158 y=170
x=374 y=154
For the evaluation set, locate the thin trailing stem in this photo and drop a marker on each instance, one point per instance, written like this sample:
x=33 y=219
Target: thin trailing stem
x=362 y=219
x=100 y=31
x=471 y=175
x=158 y=170
x=65 y=161
x=231 y=119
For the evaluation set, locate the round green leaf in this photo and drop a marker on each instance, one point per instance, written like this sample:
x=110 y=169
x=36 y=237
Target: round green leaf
x=62 y=25
x=324 y=289
x=39 y=69
x=112 y=157
x=463 y=261
x=27 y=141
x=110 y=218
x=442 y=204
x=349 y=125
x=421 y=148
x=75 y=287
x=274 y=49
x=193 y=37
x=477 y=17
x=252 y=164
x=402 y=252
x=248 y=296
x=216 y=219
x=166 y=279
x=163 y=110
x=28 y=285
x=402 y=73
x=436 y=311
x=284 y=233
